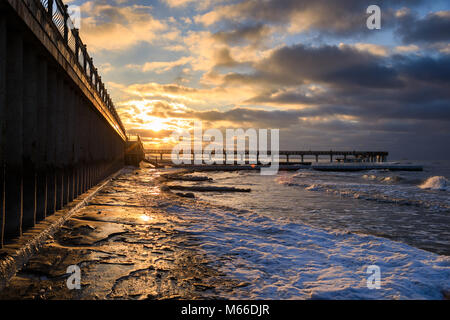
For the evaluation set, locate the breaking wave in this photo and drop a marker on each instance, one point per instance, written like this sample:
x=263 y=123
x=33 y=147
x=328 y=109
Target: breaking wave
x=436 y=183
x=277 y=259
x=386 y=189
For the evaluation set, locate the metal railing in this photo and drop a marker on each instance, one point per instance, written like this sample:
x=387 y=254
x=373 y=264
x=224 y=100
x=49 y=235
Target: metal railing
x=58 y=13
x=134 y=138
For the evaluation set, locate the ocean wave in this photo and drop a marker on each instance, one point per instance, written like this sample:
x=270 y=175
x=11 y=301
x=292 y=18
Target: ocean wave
x=388 y=179
x=279 y=259
x=393 y=194
x=383 y=187
x=315 y=187
x=436 y=183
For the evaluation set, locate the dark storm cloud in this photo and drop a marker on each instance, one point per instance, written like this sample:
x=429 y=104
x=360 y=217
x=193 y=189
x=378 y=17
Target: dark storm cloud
x=246 y=33
x=252 y=117
x=427 y=69
x=287 y=98
x=344 y=17
x=340 y=66
x=356 y=83
x=223 y=58
x=364 y=75
x=435 y=27
x=345 y=66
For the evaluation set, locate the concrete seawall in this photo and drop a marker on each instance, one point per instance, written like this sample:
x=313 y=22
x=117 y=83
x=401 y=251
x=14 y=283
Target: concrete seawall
x=60 y=133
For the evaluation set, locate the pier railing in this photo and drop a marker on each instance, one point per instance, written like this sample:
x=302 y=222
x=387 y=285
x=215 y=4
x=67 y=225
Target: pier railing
x=369 y=156
x=64 y=28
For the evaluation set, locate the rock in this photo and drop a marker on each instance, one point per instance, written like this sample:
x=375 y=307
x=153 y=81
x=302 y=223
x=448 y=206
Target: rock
x=187 y=178
x=208 y=189
x=186 y=195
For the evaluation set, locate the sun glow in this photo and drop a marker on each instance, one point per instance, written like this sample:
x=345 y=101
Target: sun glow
x=154 y=120
x=144 y=112
x=155 y=124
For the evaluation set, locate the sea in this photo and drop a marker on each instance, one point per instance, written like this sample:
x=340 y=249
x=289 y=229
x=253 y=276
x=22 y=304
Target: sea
x=319 y=235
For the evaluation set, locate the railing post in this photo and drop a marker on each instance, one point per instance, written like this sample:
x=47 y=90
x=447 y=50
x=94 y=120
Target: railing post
x=77 y=43
x=66 y=28
x=85 y=58
x=50 y=8
x=91 y=70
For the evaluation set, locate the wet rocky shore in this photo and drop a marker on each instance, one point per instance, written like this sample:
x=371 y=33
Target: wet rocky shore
x=127 y=246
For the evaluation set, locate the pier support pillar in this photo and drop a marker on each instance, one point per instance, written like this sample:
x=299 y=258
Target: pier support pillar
x=51 y=191
x=41 y=195
x=29 y=198
x=14 y=135
x=2 y=204
x=2 y=122
x=3 y=55
x=71 y=109
x=13 y=202
x=61 y=137
x=30 y=135
x=51 y=134
x=42 y=101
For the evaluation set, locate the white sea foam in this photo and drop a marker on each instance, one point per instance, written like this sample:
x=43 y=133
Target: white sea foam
x=279 y=259
x=314 y=187
x=384 y=190
x=436 y=183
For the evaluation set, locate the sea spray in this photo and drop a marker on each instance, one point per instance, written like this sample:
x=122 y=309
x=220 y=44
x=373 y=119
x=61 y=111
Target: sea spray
x=436 y=183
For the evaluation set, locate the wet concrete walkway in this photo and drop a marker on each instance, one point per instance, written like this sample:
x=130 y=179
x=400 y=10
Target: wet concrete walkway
x=127 y=247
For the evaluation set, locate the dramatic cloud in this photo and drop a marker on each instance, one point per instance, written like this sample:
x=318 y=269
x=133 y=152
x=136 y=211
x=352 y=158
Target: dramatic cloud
x=108 y=27
x=311 y=68
x=435 y=27
x=251 y=33
x=335 y=65
x=343 y=17
x=162 y=66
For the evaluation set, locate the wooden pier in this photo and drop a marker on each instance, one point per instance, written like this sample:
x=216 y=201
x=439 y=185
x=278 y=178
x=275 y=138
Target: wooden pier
x=287 y=161
x=157 y=156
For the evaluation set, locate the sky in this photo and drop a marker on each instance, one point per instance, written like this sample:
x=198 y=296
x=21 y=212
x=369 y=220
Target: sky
x=309 y=68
